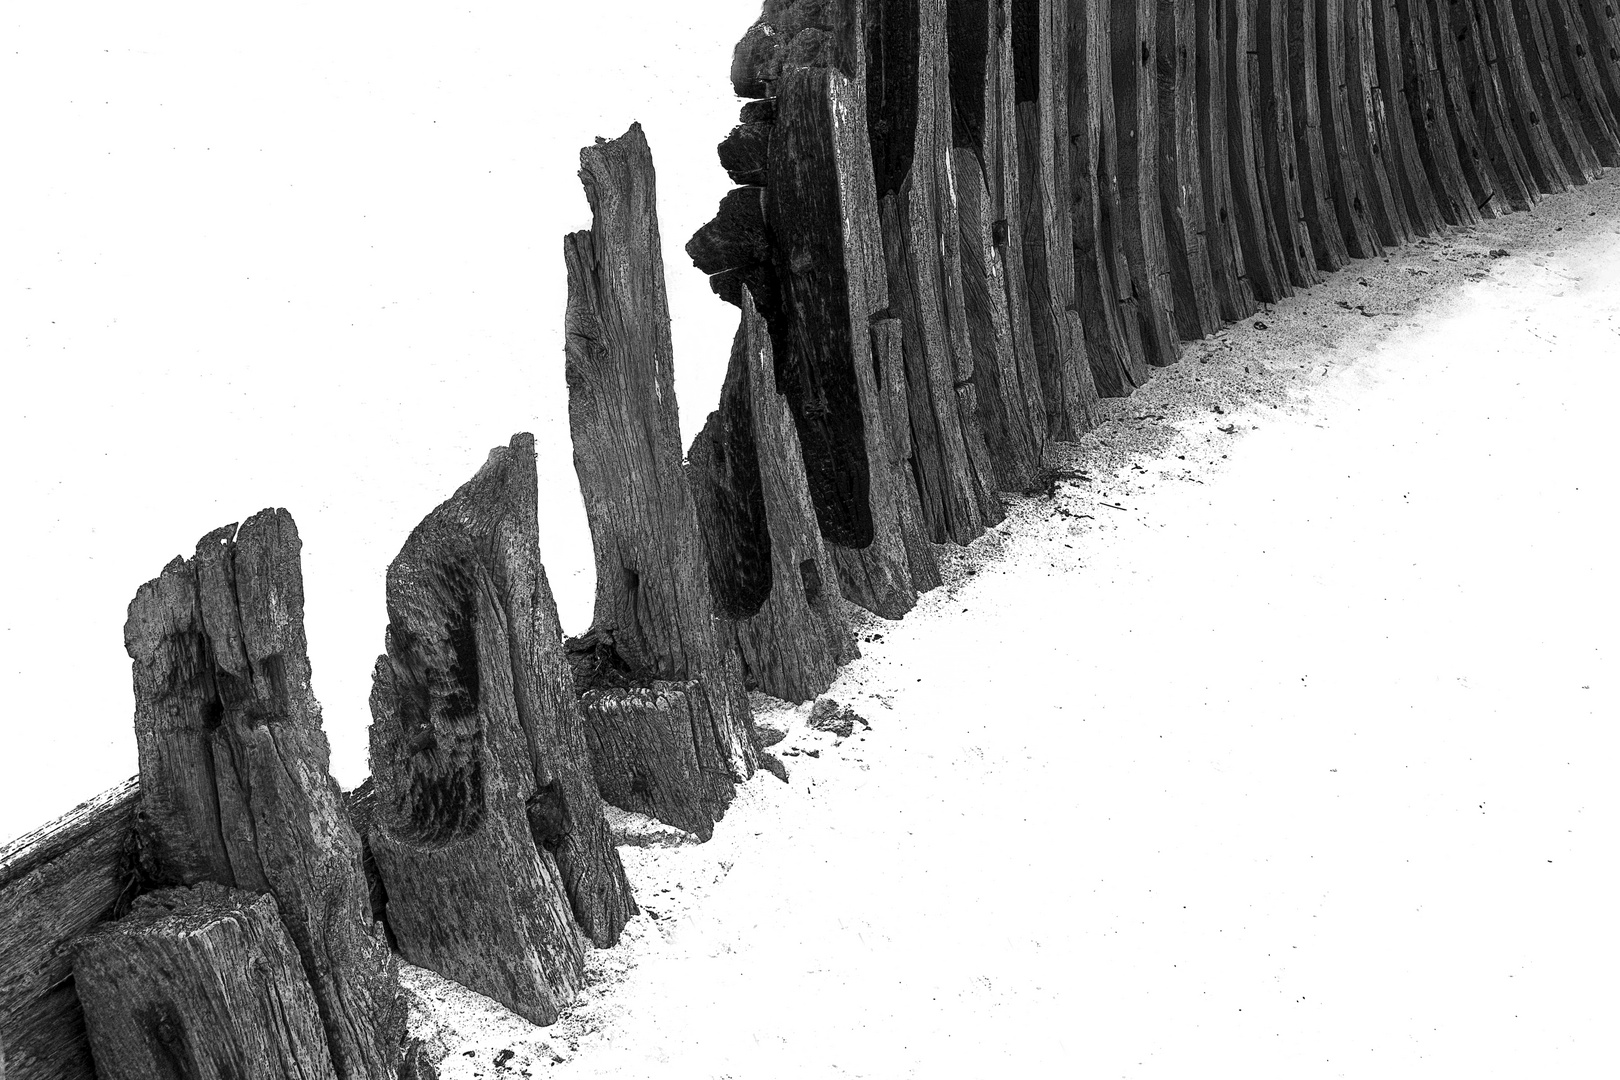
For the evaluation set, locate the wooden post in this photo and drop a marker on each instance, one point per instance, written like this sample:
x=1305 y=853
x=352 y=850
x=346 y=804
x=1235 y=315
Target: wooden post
x=1280 y=128
x=1316 y=179
x=1107 y=303
x=1013 y=395
x=773 y=580
x=1430 y=112
x=1234 y=293
x=654 y=607
x=1135 y=70
x=234 y=780
x=1531 y=125
x=1368 y=130
x=1547 y=73
x=1590 y=102
x=1488 y=192
x=908 y=113
x=1474 y=50
x=1603 y=38
x=487 y=831
x=1257 y=229
x=1412 y=179
x=1349 y=187
x=200 y=984
x=1181 y=184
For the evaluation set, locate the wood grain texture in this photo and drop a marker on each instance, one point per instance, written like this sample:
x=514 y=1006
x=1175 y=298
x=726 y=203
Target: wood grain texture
x=1351 y=201
x=1475 y=52
x=1234 y=294
x=1590 y=102
x=1181 y=184
x=1554 y=91
x=653 y=599
x=773 y=580
x=1107 y=302
x=1406 y=161
x=1281 y=144
x=483 y=785
x=200 y=984
x=1531 y=125
x=1486 y=188
x=1257 y=228
x=1135 y=70
x=1429 y=110
x=56 y=883
x=235 y=787
x=1369 y=131
x=1315 y=177
x=1603 y=39
x=822 y=205
x=908 y=113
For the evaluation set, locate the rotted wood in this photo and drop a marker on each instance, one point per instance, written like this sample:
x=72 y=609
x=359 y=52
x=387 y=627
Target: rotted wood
x=1107 y=301
x=1430 y=112
x=1257 y=229
x=984 y=160
x=200 y=984
x=1234 y=295
x=843 y=391
x=1603 y=38
x=57 y=883
x=1369 y=132
x=235 y=787
x=1135 y=40
x=654 y=605
x=1407 y=173
x=1531 y=124
x=1487 y=188
x=768 y=566
x=1547 y=73
x=1597 y=119
x=1280 y=143
x=1316 y=180
x=1181 y=184
x=1475 y=51
x=488 y=830
x=1351 y=200
x=908 y=111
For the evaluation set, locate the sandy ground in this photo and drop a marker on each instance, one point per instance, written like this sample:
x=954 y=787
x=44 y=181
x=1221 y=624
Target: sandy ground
x=1275 y=741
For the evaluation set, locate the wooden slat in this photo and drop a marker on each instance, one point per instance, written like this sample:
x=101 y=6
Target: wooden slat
x=1181 y=183
x=1591 y=102
x=1467 y=126
x=1531 y=125
x=1369 y=127
x=1281 y=150
x=1234 y=294
x=1257 y=229
x=1407 y=172
x=1428 y=108
x=1315 y=178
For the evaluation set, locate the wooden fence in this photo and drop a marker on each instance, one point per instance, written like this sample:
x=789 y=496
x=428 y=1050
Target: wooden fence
x=957 y=223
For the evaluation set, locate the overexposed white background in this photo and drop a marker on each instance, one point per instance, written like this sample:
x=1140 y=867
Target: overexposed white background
x=301 y=255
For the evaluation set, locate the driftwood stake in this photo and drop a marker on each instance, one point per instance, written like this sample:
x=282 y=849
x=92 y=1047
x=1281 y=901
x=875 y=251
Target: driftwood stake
x=1234 y=293
x=234 y=780
x=1181 y=183
x=772 y=577
x=655 y=613
x=200 y=984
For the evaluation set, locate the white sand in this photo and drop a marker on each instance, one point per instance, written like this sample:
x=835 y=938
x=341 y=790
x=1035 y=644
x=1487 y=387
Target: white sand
x=1296 y=761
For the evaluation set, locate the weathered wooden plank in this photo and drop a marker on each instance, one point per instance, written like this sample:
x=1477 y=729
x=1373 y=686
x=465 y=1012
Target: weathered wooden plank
x=1485 y=186
x=984 y=161
x=56 y=883
x=1591 y=103
x=200 y=984
x=1525 y=112
x=1134 y=39
x=1603 y=38
x=1257 y=230
x=1181 y=183
x=1408 y=174
x=1105 y=297
x=1498 y=140
x=1234 y=295
x=1369 y=129
x=235 y=787
x=822 y=205
x=1349 y=186
x=1315 y=178
x=1279 y=141
x=653 y=599
x=1430 y=112
x=1548 y=75
x=768 y=566
x=908 y=111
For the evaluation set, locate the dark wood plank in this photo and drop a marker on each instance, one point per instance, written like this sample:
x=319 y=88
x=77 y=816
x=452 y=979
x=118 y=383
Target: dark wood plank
x=1487 y=189
x=1603 y=39
x=1591 y=102
x=908 y=110
x=1257 y=230
x=1315 y=178
x=1234 y=295
x=1369 y=128
x=200 y=984
x=1520 y=98
x=1280 y=127
x=1105 y=299
x=1134 y=39
x=1553 y=90
x=235 y=787
x=1430 y=113
x=653 y=600
x=1181 y=182
x=1480 y=72
x=1351 y=200
x=773 y=581
x=1405 y=159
